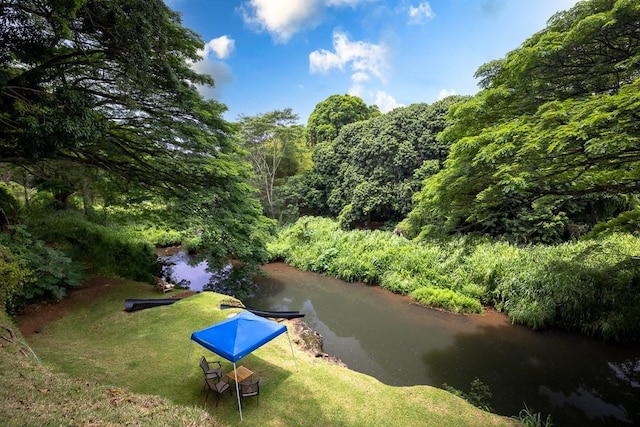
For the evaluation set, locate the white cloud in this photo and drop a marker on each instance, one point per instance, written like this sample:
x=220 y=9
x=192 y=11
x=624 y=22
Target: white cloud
x=356 y=90
x=221 y=73
x=221 y=46
x=360 y=77
x=386 y=102
x=210 y=64
x=419 y=14
x=446 y=92
x=364 y=59
x=282 y=18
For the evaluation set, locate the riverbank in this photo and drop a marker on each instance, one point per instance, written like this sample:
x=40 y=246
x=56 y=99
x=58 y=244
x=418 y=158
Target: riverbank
x=144 y=352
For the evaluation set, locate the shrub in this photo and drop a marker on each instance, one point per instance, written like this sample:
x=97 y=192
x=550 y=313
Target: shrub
x=14 y=275
x=48 y=271
x=446 y=299
x=398 y=282
x=9 y=206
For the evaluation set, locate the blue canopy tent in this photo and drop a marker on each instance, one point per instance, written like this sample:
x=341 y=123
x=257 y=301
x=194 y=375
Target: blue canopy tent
x=237 y=336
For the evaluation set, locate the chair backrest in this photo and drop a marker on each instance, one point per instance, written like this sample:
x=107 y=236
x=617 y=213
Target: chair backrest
x=250 y=388
x=204 y=364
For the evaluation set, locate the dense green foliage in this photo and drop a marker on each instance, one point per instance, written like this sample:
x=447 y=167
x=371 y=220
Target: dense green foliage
x=29 y=270
x=550 y=147
x=98 y=110
x=330 y=115
x=371 y=170
x=110 y=251
x=107 y=85
x=590 y=286
x=274 y=142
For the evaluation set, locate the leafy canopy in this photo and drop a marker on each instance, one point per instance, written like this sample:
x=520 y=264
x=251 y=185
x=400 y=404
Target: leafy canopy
x=107 y=84
x=270 y=139
x=371 y=170
x=330 y=115
x=550 y=146
x=100 y=95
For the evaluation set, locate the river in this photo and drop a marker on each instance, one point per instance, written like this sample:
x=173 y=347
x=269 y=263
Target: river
x=578 y=380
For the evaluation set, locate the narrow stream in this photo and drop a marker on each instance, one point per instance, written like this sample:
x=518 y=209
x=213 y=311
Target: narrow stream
x=578 y=380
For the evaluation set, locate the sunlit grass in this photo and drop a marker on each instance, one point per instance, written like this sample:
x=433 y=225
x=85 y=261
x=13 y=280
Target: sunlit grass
x=150 y=352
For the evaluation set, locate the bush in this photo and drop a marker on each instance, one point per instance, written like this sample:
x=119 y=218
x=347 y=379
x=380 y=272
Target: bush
x=9 y=206
x=14 y=275
x=590 y=287
x=446 y=299
x=48 y=272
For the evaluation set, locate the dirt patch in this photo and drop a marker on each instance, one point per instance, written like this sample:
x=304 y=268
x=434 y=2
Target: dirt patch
x=34 y=317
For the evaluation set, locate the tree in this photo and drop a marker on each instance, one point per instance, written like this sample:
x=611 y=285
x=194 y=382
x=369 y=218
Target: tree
x=330 y=115
x=103 y=89
x=550 y=146
x=107 y=85
x=270 y=141
x=373 y=167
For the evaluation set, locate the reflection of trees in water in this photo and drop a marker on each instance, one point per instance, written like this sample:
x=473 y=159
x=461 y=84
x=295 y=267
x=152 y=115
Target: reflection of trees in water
x=556 y=375
x=232 y=280
x=203 y=274
x=627 y=371
x=168 y=275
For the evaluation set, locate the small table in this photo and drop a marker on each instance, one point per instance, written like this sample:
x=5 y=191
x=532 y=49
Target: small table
x=243 y=374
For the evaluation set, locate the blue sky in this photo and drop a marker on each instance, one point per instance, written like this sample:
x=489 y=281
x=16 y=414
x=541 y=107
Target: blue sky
x=268 y=55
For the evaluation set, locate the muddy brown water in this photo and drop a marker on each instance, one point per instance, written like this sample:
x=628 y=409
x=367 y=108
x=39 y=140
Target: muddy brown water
x=578 y=380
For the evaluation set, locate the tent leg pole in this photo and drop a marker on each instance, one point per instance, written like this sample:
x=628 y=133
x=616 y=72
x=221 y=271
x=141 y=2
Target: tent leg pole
x=235 y=371
x=186 y=363
x=292 y=353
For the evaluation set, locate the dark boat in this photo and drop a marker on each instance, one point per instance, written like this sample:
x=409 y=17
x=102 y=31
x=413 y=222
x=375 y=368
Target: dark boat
x=267 y=313
x=141 y=304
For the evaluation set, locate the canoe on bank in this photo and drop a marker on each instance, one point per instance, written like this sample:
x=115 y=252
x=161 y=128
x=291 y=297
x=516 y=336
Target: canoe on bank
x=141 y=304
x=268 y=313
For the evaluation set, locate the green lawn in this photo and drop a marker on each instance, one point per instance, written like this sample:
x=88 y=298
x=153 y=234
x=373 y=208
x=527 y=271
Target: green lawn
x=149 y=352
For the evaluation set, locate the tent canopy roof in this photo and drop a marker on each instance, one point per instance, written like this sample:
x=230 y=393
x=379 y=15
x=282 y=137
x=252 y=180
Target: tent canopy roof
x=238 y=336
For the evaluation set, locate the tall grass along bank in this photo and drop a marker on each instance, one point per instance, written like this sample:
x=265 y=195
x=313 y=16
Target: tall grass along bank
x=590 y=286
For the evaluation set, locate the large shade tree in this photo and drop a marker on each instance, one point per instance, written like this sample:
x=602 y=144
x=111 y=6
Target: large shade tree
x=106 y=85
x=551 y=145
x=370 y=172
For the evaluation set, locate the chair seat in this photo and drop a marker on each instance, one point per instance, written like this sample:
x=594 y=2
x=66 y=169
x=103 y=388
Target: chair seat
x=221 y=386
x=215 y=373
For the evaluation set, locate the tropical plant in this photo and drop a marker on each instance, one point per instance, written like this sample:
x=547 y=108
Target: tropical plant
x=34 y=270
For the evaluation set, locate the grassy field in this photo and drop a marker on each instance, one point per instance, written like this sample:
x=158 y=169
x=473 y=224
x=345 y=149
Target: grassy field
x=142 y=367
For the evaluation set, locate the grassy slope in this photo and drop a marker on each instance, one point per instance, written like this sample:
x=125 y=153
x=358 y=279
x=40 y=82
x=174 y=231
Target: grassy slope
x=32 y=395
x=146 y=352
